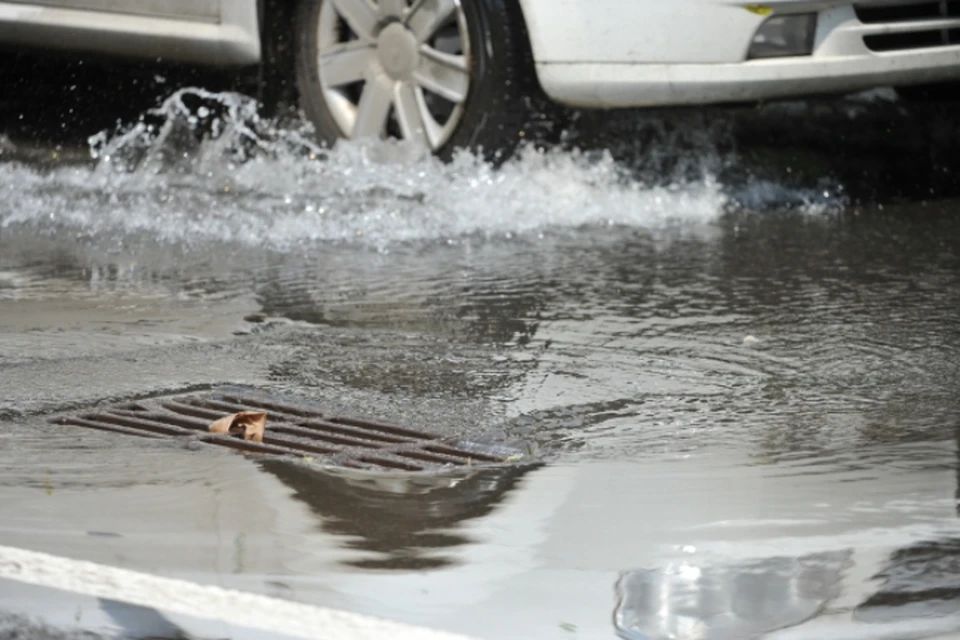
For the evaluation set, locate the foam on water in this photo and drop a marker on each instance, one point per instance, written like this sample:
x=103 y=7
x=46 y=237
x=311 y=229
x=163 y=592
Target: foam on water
x=204 y=167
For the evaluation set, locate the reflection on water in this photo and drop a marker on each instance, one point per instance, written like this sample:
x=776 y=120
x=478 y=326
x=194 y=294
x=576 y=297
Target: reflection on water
x=694 y=599
x=738 y=602
x=482 y=304
x=141 y=622
x=684 y=601
x=918 y=581
x=398 y=521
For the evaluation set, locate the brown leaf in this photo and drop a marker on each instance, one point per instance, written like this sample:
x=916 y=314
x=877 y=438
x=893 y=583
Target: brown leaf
x=249 y=424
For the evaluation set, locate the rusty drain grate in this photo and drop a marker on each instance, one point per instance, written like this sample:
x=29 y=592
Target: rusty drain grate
x=293 y=429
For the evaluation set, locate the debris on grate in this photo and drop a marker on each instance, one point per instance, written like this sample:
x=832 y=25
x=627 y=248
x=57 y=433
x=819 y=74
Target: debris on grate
x=293 y=428
x=248 y=424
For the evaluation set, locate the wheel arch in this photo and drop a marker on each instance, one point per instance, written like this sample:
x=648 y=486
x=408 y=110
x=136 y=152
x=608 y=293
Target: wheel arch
x=529 y=13
x=534 y=14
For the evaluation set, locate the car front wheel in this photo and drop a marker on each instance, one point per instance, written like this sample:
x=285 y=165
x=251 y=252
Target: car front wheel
x=441 y=74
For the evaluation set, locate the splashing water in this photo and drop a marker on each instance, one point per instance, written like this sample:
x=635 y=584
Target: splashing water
x=204 y=167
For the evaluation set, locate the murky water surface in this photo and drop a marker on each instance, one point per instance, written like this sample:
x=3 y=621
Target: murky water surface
x=749 y=413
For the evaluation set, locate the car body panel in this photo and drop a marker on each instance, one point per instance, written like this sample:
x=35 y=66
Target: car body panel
x=183 y=9
x=611 y=53
x=231 y=37
x=638 y=31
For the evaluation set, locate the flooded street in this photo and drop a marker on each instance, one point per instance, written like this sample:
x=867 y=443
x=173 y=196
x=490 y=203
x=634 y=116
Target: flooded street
x=739 y=390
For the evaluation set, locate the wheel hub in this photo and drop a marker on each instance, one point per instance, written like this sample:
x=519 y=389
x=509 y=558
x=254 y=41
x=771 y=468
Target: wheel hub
x=398 y=51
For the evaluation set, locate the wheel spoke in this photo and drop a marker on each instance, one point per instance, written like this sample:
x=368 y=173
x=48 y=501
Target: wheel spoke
x=346 y=63
x=444 y=74
x=374 y=106
x=427 y=16
x=413 y=124
x=360 y=15
x=434 y=129
x=393 y=8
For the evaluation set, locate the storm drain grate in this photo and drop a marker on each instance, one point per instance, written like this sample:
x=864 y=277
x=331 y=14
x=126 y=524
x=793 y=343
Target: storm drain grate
x=293 y=429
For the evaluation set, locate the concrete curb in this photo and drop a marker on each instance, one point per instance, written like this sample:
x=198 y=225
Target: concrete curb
x=208 y=602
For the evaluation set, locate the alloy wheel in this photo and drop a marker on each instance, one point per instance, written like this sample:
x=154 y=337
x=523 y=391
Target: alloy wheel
x=396 y=68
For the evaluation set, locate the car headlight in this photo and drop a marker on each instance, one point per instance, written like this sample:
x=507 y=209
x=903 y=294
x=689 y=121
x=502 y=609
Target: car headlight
x=784 y=35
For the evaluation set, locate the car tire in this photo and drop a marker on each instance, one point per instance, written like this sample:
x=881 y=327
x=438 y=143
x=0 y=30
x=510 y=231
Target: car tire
x=502 y=104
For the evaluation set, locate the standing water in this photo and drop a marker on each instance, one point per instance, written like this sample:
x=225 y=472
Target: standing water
x=744 y=394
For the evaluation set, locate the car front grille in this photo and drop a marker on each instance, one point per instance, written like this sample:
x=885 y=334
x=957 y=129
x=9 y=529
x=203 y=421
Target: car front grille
x=911 y=25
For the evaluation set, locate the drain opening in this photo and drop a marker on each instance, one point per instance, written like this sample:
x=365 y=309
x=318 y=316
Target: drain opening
x=293 y=429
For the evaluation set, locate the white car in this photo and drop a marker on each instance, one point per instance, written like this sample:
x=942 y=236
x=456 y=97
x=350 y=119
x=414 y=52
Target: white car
x=475 y=73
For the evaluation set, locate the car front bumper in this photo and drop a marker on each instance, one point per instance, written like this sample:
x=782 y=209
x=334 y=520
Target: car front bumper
x=707 y=61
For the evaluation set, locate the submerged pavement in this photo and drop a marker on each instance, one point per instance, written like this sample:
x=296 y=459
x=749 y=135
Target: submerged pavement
x=743 y=383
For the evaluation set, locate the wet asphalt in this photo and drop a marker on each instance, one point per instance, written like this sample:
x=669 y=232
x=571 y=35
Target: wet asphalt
x=728 y=338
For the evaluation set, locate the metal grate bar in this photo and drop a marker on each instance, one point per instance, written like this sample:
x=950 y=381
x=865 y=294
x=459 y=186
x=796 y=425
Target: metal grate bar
x=300 y=446
x=463 y=453
x=137 y=423
x=248 y=446
x=100 y=426
x=157 y=420
x=189 y=409
x=385 y=428
x=325 y=425
x=269 y=405
x=390 y=463
x=433 y=457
